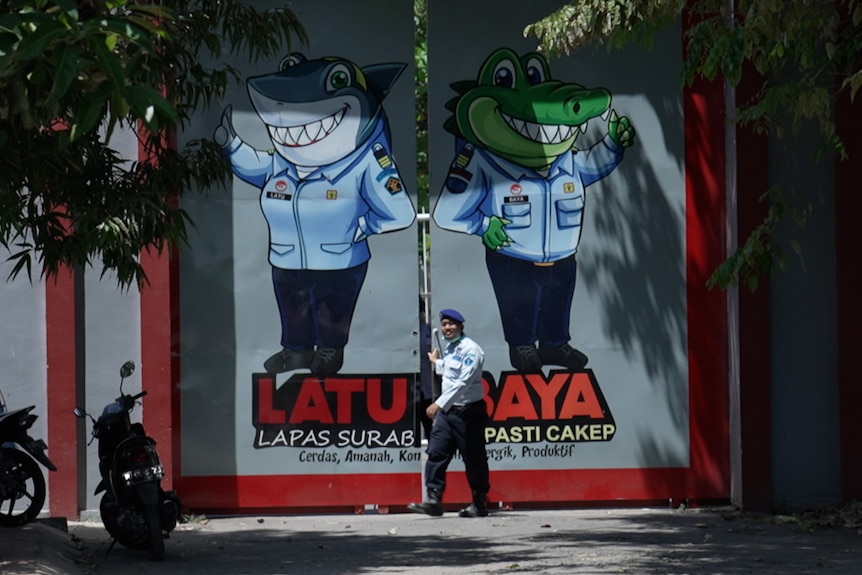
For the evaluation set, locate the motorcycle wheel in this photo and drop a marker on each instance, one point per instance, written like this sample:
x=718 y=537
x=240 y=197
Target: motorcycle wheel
x=125 y=524
x=154 y=527
x=21 y=481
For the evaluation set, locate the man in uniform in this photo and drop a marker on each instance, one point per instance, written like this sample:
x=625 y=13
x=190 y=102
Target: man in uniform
x=459 y=416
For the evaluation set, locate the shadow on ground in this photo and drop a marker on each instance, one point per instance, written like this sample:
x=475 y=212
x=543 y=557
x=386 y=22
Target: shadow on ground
x=589 y=542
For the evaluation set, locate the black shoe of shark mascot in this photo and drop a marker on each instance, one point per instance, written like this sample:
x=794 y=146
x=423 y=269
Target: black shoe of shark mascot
x=328 y=183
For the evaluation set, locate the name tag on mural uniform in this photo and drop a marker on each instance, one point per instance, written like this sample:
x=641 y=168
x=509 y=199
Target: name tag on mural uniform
x=278 y=196
x=516 y=200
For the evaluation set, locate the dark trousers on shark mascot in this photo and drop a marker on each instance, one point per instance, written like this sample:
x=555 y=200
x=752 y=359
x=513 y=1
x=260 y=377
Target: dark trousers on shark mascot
x=316 y=309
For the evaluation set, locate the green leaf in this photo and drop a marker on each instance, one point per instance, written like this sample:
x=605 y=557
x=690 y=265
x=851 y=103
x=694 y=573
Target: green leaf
x=90 y=111
x=35 y=43
x=66 y=67
x=158 y=12
x=752 y=281
x=69 y=7
x=9 y=23
x=150 y=26
x=148 y=104
x=854 y=82
x=109 y=61
x=123 y=28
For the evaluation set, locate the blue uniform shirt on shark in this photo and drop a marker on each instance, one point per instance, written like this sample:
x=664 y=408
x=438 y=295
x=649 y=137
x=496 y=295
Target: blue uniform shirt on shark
x=357 y=196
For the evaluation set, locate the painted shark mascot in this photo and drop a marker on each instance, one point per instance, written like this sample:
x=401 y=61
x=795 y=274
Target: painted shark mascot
x=327 y=184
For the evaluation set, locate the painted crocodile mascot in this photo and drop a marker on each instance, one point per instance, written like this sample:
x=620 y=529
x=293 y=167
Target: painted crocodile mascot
x=518 y=182
x=327 y=184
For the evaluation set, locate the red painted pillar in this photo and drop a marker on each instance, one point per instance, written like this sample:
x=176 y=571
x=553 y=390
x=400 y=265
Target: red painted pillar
x=61 y=371
x=160 y=358
x=160 y=344
x=705 y=213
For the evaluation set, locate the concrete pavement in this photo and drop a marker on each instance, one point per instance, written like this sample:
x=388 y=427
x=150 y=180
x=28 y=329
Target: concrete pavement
x=43 y=547
x=714 y=541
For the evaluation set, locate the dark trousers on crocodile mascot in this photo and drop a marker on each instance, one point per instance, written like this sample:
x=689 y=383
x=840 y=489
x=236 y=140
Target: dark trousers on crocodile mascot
x=535 y=302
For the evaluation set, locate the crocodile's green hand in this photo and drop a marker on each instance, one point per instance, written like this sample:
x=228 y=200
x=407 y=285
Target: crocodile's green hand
x=495 y=237
x=620 y=130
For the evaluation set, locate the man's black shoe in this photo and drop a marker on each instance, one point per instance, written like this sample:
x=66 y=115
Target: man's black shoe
x=474 y=510
x=427 y=508
x=479 y=507
x=563 y=355
x=327 y=361
x=288 y=360
x=525 y=358
x=432 y=505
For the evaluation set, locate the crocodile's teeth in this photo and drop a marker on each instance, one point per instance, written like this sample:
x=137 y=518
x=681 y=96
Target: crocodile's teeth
x=542 y=133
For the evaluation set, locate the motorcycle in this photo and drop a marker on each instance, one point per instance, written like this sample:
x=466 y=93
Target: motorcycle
x=134 y=509
x=21 y=478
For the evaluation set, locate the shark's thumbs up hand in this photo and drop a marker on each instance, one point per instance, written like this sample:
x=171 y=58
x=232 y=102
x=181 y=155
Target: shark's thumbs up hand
x=224 y=132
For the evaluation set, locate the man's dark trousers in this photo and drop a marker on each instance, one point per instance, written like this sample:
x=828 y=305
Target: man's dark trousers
x=461 y=429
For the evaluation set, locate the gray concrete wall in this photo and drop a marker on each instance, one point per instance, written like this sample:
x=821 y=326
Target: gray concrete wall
x=22 y=345
x=805 y=441
x=113 y=328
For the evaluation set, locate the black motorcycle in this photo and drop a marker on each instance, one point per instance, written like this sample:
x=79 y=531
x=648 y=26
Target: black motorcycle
x=22 y=484
x=135 y=510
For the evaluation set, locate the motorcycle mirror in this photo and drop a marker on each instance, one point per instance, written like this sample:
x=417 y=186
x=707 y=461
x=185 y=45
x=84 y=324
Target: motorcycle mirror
x=78 y=413
x=127 y=369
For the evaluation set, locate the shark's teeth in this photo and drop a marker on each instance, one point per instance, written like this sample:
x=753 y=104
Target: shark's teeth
x=542 y=133
x=306 y=134
x=606 y=114
x=294 y=133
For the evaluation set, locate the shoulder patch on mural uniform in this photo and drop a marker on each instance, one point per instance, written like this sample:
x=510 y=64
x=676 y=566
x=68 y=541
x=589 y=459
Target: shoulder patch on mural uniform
x=393 y=185
x=381 y=156
x=458 y=176
x=389 y=174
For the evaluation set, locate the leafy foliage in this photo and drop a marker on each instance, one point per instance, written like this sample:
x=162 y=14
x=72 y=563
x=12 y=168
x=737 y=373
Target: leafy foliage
x=420 y=11
x=614 y=22
x=761 y=252
x=71 y=73
x=420 y=22
x=804 y=53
